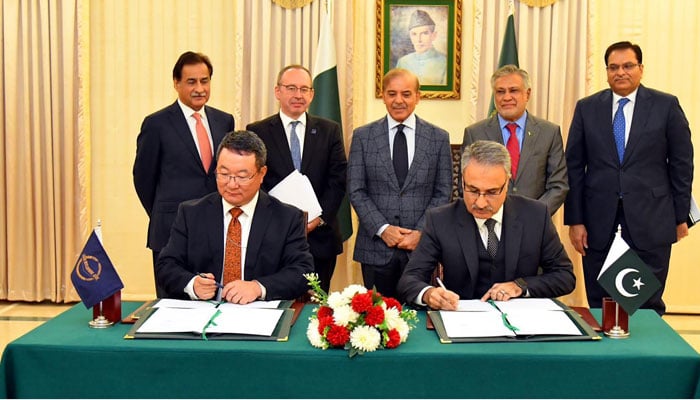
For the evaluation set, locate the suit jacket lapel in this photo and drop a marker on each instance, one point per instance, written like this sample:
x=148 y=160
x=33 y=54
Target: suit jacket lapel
x=311 y=140
x=280 y=143
x=261 y=220
x=215 y=232
x=604 y=111
x=380 y=141
x=513 y=228
x=530 y=137
x=420 y=151
x=642 y=110
x=182 y=131
x=466 y=236
x=494 y=131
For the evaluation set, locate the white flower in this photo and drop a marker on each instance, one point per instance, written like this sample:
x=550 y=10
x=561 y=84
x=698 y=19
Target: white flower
x=344 y=315
x=365 y=338
x=353 y=289
x=403 y=329
x=336 y=300
x=392 y=317
x=315 y=338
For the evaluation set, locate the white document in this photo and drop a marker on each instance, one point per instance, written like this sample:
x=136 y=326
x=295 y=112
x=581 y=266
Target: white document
x=296 y=190
x=474 y=324
x=246 y=321
x=255 y=304
x=694 y=214
x=176 y=320
x=175 y=303
x=241 y=320
x=535 y=322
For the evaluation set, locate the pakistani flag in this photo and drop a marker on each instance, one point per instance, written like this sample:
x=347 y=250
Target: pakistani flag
x=509 y=53
x=626 y=278
x=326 y=102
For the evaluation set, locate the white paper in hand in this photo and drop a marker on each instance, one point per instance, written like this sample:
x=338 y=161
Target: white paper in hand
x=296 y=190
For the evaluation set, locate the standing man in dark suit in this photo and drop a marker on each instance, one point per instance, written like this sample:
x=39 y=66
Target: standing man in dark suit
x=537 y=153
x=174 y=149
x=268 y=255
x=399 y=167
x=490 y=244
x=634 y=170
x=321 y=159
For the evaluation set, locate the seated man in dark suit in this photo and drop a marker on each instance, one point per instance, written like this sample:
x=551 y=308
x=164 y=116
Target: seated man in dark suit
x=238 y=239
x=491 y=244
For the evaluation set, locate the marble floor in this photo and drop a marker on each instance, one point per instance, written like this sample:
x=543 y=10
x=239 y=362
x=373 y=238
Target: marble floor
x=18 y=318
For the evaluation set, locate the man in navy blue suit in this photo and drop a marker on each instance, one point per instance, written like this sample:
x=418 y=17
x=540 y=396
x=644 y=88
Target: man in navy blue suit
x=174 y=149
x=639 y=178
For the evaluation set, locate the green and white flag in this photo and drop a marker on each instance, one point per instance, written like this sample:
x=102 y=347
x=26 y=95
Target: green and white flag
x=626 y=278
x=326 y=102
x=509 y=53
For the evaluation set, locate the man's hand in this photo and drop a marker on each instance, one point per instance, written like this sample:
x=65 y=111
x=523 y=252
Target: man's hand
x=681 y=231
x=410 y=241
x=204 y=286
x=393 y=235
x=313 y=224
x=503 y=291
x=438 y=298
x=579 y=238
x=241 y=292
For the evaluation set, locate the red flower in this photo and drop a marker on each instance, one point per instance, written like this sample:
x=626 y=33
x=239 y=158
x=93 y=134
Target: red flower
x=375 y=316
x=325 y=311
x=392 y=302
x=361 y=302
x=323 y=322
x=338 y=335
x=394 y=339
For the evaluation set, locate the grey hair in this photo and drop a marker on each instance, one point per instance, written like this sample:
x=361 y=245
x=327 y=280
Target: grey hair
x=487 y=152
x=244 y=142
x=510 y=69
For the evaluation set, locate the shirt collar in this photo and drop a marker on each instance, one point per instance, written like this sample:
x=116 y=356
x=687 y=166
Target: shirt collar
x=498 y=216
x=286 y=119
x=188 y=111
x=247 y=208
x=520 y=121
x=632 y=97
x=409 y=122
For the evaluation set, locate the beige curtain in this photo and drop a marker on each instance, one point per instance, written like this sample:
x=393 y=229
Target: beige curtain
x=45 y=177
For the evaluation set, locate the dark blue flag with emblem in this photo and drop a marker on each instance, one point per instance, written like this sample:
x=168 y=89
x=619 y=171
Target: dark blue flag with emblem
x=626 y=278
x=94 y=276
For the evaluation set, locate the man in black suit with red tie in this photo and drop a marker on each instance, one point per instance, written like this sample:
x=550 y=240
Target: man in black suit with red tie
x=174 y=149
x=314 y=146
x=630 y=162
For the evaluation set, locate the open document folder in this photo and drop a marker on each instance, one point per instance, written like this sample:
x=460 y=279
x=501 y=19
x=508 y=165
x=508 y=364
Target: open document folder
x=296 y=190
x=179 y=319
x=513 y=320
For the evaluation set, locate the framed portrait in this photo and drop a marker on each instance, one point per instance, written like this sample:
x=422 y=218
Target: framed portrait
x=425 y=37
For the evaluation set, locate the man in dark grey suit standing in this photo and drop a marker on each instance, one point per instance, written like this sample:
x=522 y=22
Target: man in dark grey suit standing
x=399 y=167
x=538 y=168
x=630 y=162
x=174 y=150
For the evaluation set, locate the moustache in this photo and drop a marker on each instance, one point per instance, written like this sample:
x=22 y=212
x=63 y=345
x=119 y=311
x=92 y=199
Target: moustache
x=487 y=208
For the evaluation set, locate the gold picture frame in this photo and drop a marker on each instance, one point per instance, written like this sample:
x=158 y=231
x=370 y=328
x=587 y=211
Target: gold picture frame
x=424 y=36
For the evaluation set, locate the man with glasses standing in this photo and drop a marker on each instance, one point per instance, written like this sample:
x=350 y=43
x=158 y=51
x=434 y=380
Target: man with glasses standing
x=249 y=245
x=314 y=147
x=490 y=244
x=630 y=162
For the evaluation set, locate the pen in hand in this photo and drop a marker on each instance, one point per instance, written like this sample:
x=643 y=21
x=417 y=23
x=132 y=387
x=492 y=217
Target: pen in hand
x=439 y=281
x=203 y=275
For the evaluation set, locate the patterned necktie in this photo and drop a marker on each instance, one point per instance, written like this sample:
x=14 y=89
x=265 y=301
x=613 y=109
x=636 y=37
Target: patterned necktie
x=295 y=146
x=203 y=141
x=400 y=155
x=232 y=255
x=492 y=242
x=513 y=148
x=619 y=127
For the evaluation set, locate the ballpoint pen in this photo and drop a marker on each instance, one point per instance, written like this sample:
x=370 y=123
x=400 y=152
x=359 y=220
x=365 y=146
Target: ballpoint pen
x=439 y=281
x=203 y=275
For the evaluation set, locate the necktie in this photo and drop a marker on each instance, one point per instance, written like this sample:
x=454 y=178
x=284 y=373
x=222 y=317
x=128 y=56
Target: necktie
x=513 y=148
x=203 y=140
x=619 y=128
x=492 y=242
x=400 y=155
x=232 y=255
x=295 y=146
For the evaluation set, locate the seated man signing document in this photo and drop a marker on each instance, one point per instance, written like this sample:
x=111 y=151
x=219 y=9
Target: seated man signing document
x=237 y=244
x=490 y=245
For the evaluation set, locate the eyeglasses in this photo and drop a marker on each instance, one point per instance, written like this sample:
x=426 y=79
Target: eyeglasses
x=627 y=67
x=304 y=90
x=241 y=180
x=488 y=195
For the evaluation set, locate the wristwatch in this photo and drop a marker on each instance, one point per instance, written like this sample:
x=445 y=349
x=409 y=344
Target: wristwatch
x=321 y=222
x=522 y=285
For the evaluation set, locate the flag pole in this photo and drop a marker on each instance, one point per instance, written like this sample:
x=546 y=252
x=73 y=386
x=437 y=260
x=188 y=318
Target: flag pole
x=99 y=321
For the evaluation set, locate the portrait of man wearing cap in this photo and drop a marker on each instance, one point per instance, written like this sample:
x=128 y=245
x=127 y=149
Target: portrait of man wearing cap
x=426 y=62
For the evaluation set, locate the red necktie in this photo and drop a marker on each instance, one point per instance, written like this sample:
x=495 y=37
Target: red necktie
x=513 y=148
x=232 y=256
x=203 y=140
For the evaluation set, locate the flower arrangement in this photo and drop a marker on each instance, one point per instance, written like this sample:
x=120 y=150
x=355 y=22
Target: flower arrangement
x=357 y=319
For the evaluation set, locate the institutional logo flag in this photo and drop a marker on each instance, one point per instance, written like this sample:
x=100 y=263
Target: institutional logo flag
x=626 y=278
x=509 y=53
x=94 y=276
x=326 y=102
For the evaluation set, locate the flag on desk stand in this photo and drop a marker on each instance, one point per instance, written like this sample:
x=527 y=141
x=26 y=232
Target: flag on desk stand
x=626 y=278
x=326 y=102
x=509 y=51
x=94 y=276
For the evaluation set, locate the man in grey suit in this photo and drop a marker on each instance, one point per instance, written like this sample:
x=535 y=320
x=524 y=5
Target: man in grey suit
x=538 y=168
x=399 y=166
x=629 y=166
x=490 y=244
